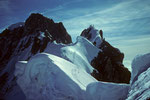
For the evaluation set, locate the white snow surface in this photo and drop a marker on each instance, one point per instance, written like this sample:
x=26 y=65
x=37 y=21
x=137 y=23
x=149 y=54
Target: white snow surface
x=140 y=89
x=107 y=91
x=48 y=77
x=140 y=78
x=13 y=26
x=81 y=53
x=63 y=73
x=139 y=65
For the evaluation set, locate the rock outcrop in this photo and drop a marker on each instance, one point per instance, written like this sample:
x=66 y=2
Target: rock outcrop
x=21 y=41
x=37 y=22
x=109 y=62
x=109 y=65
x=38 y=30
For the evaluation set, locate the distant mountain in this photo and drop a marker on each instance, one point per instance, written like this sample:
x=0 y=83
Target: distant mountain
x=38 y=61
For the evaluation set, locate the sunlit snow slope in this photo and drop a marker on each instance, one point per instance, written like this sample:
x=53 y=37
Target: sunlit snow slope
x=48 y=77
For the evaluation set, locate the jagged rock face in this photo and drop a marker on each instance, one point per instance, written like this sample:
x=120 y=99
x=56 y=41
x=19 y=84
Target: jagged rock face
x=109 y=65
x=30 y=38
x=8 y=42
x=92 y=35
x=112 y=52
x=86 y=33
x=30 y=33
x=37 y=22
x=109 y=62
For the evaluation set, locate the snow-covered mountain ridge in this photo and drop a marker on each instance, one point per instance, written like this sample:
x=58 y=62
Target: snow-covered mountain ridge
x=65 y=70
x=108 y=65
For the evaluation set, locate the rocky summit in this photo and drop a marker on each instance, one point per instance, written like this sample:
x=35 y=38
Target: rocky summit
x=37 y=22
x=27 y=38
x=37 y=30
x=108 y=64
x=38 y=61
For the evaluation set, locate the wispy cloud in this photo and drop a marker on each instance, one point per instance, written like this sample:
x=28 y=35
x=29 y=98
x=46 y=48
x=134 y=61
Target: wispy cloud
x=108 y=19
x=118 y=20
x=5 y=7
x=131 y=46
x=61 y=10
x=6 y=10
x=123 y=25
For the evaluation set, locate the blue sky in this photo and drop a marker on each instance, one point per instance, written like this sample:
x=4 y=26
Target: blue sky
x=125 y=23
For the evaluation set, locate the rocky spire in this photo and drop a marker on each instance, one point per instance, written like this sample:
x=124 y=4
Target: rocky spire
x=37 y=22
x=109 y=62
x=101 y=34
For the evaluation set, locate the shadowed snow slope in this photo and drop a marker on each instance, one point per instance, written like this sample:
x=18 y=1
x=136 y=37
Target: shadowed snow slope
x=48 y=77
x=140 y=78
x=140 y=89
x=107 y=91
x=140 y=64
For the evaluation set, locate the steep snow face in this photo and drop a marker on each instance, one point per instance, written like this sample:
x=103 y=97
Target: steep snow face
x=13 y=26
x=140 y=64
x=107 y=91
x=140 y=89
x=48 y=77
x=93 y=35
x=54 y=48
x=140 y=80
x=81 y=53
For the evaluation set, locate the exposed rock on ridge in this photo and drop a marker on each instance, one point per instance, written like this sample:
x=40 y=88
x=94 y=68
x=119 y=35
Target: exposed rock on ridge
x=109 y=62
x=21 y=41
x=37 y=22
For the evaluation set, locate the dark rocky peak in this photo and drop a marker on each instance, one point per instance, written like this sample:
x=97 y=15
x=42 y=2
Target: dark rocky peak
x=109 y=62
x=109 y=65
x=16 y=25
x=86 y=33
x=21 y=41
x=37 y=32
x=37 y=22
x=92 y=35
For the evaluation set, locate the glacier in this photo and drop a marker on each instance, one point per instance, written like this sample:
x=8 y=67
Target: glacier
x=49 y=77
x=42 y=64
x=62 y=72
x=140 y=78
